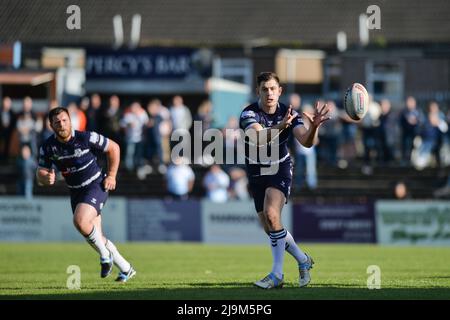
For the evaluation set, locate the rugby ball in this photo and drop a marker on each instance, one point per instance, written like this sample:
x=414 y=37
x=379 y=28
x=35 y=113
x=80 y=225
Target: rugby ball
x=356 y=101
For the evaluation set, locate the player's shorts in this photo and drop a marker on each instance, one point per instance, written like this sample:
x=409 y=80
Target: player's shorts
x=258 y=185
x=93 y=194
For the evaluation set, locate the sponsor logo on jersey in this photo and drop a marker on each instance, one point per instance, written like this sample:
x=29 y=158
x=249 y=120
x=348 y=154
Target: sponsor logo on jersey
x=248 y=114
x=94 y=138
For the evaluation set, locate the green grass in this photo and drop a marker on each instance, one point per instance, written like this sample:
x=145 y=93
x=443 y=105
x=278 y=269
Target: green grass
x=198 y=271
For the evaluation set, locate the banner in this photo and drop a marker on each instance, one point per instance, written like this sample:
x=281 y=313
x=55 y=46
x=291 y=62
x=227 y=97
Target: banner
x=413 y=222
x=50 y=219
x=156 y=220
x=236 y=222
x=334 y=223
x=148 y=63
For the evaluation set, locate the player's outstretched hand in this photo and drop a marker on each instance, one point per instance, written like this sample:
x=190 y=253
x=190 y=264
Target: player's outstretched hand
x=320 y=115
x=109 y=183
x=288 y=118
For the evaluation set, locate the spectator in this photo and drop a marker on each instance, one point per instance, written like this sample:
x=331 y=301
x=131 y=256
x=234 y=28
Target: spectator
x=27 y=126
x=370 y=125
x=77 y=117
x=410 y=119
x=401 y=191
x=180 y=179
x=432 y=133
x=232 y=135
x=181 y=117
x=295 y=100
x=84 y=105
x=165 y=129
x=329 y=136
x=386 y=129
x=180 y=114
x=93 y=113
x=157 y=131
x=203 y=119
x=348 y=150
x=7 y=125
x=305 y=161
x=111 y=120
x=239 y=184
x=26 y=166
x=216 y=183
x=204 y=114
x=133 y=122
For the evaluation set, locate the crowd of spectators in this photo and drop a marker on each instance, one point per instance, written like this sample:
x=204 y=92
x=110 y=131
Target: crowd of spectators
x=408 y=136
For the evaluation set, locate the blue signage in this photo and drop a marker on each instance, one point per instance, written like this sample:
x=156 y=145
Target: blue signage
x=147 y=63
x=156 y=220
x=334 y=222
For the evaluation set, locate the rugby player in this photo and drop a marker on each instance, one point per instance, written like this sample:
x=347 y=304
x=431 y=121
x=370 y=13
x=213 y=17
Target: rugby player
x=267 y=123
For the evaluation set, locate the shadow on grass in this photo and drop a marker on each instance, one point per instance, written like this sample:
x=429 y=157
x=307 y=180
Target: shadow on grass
x=233 y=291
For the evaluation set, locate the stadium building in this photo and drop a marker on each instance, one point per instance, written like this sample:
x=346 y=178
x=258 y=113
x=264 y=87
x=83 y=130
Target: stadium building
x=213 y=50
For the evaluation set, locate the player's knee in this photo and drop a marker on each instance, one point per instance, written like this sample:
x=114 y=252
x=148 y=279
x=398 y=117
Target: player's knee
x=81 y=223
x=273 y=218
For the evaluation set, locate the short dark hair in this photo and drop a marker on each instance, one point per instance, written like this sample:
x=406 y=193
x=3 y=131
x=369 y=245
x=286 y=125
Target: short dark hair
x=54 y=112
x=266 y=76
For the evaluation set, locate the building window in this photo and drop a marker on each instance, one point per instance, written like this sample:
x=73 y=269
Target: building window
x=234 y=69
x=385 y=80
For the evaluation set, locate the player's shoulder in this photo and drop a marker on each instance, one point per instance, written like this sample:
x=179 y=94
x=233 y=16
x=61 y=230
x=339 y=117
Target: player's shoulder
x=250 y=111
x=254 y=107
x=49 y=142
x=90 y=136
x=49 y=146
x=81 y=136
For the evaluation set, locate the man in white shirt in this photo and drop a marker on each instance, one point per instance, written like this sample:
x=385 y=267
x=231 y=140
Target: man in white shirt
x=216 y=183
x=133 y=122
x=180 y=114
x=180 y=179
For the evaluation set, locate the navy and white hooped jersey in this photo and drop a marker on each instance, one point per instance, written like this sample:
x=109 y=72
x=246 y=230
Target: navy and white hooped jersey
x=254 y=114
x=75 y=159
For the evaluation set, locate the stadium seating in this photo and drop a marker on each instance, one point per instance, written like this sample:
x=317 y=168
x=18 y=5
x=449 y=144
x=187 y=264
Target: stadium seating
x=334 y=183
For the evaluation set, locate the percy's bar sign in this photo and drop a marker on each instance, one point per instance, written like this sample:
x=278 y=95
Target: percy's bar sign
x=147 y=63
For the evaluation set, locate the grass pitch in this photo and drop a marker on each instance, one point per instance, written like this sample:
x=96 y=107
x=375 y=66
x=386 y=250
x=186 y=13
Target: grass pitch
x=198 y=271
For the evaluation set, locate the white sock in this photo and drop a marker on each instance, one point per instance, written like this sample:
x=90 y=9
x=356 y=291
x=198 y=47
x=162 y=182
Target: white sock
x=278 y=242
x=294 y=250
x=119 y=261
x=95 y=239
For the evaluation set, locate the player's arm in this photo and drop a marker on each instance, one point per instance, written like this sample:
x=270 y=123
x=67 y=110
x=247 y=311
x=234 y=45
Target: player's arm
x=45 y=174
x=308 y=135
x=261 y=136
x=113 y=157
